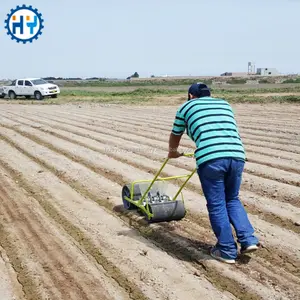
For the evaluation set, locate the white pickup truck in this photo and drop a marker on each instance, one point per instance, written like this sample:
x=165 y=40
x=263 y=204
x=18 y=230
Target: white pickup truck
x=31 y=87
x=2 y=94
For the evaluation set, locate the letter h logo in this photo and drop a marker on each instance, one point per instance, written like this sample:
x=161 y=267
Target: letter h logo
x=18 y=25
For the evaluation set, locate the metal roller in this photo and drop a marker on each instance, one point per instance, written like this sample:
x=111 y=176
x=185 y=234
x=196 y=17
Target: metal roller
x=126 y=193
x=167 y=211
x=152 y=200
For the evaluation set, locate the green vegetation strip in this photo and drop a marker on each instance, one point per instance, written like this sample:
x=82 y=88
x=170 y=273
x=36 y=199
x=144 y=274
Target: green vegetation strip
x=170 y=95
x=295 y=80
x=160 y=82
x=172 y=91
x=174 y=82
x=136 y=92
x=148 y=95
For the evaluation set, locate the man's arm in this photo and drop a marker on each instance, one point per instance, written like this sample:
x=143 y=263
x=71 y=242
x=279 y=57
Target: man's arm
x=175 y=136
x=174 y=141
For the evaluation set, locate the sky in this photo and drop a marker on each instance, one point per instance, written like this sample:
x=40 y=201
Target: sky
x=116 y=38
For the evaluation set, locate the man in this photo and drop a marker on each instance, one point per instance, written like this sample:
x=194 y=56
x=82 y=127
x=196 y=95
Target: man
x=220 y=159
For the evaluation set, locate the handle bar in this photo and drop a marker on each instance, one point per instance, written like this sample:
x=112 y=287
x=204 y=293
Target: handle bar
x=188 y=154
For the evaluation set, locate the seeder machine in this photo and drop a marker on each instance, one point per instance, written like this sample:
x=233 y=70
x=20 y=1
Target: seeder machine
x=152 y=198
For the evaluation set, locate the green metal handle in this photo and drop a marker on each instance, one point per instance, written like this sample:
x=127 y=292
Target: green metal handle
x=155 y=177
x=157 y=174
x=188 y=154
x=188 y=178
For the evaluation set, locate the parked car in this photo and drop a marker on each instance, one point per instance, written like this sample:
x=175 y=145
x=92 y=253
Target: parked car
x=31 y=87
x=2 y=93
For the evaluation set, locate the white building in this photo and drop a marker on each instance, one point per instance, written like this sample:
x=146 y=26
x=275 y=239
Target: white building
x=267 y=72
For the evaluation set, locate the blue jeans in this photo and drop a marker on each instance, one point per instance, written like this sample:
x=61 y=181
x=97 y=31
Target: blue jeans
x=220 y=180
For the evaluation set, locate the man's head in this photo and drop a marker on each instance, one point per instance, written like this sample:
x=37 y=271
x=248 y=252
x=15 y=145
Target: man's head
x=198 y=90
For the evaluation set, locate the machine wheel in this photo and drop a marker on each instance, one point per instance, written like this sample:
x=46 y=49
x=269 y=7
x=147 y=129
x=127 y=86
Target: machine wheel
x=38 y=95
x=126 y=193
x=166 y=212
x=12 y=95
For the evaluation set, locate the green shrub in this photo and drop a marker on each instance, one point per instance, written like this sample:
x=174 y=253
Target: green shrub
x=296 y=80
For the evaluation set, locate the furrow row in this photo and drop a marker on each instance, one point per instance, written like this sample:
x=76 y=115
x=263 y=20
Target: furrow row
x=47 y=256
x=94 y=228
x=162 y=117
x=114 y=148
x=141 y=156
x=263 y=291
x=79 y=161
x=163 y=123
x=128 y=120
x=264 y=143
x=27 y=143
x=285 y=160
x=282 y=144
x=157 y=141
x=167 y=115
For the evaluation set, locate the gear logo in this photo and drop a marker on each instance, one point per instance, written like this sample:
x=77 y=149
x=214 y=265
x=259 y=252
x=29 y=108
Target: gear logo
x=24 y=24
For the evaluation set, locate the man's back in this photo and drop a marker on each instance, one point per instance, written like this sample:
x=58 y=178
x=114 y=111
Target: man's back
x=210 y=123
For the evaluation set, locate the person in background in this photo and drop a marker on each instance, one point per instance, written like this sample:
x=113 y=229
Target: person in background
x=220 y=159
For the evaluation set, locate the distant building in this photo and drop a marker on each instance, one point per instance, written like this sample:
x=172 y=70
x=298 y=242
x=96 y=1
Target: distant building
x=267 y=72
x=236 y=74
x=226 y=74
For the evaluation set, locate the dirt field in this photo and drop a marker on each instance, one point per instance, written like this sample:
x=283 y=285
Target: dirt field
x=65 y=235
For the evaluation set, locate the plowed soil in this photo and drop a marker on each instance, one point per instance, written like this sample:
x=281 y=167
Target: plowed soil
x=64 y=233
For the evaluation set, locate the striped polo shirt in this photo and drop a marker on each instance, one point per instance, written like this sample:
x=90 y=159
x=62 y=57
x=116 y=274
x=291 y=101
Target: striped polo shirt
x=210 y=123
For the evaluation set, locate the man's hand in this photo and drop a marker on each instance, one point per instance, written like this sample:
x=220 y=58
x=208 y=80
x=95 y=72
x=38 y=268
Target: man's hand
x=174 y=154
x=174 y=141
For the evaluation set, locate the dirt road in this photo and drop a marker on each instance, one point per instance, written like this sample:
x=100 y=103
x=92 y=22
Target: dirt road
x=65 y=235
